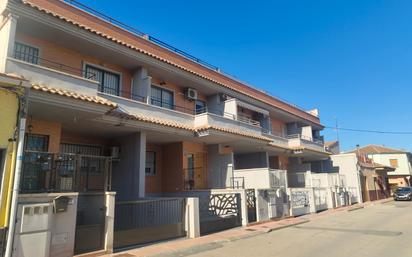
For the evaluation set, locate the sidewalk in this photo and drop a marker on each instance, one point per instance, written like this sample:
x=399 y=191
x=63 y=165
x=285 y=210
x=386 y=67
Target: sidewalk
x=233 y=234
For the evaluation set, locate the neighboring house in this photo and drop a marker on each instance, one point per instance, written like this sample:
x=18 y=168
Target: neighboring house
x=398 y=159
x=11 y=93
x=364 y=178
x=116 y=115
x=333 y=147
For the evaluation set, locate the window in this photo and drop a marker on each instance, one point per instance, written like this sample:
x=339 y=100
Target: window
x=26 y=53
x=150 y=163
x=39 y=143
x=200 y=106
x=109 y=81
x=393 y=163
x=162 y=97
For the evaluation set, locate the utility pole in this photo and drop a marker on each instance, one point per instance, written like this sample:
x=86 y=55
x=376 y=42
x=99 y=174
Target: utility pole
x=337 y=129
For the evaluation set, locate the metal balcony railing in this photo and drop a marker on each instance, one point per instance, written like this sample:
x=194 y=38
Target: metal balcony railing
x=231 y=116
x=306 y=138
x=36 y=60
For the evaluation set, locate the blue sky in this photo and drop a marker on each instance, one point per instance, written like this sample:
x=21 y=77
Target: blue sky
x=350 y=59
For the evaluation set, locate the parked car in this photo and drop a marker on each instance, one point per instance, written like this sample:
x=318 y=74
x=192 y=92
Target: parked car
x=403 y=193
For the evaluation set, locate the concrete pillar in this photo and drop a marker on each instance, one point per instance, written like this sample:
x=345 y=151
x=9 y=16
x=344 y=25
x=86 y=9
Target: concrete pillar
x=109 y=221
x=192 y=220
x=330 y=199
x=312 y=203
x=7 y=37
x=243 y=207
x=141 y=85
x=128 y=176
x=142 y=163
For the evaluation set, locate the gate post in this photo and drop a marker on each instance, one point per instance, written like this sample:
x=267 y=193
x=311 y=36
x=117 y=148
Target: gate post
x=192 y=221
x=243 y=207
x=109 y=221
x=312 y=202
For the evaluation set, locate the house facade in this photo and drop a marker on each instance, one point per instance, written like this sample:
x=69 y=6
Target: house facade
x=116 y=116
x=364 y=177
x=398 y=159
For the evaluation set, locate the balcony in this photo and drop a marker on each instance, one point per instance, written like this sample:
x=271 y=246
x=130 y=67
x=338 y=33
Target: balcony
x=298 y=140
x=260 y=178
x=50 y=73
x=137 y=105
x=278 y=139
x=227 y=121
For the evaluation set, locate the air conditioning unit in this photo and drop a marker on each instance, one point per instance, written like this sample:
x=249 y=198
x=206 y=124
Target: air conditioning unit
x=115 y=152
x=191 y=94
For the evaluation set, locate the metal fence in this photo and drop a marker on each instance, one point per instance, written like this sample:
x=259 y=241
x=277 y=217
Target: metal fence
x=148 y=220
x=47 y=172
x=321 y=198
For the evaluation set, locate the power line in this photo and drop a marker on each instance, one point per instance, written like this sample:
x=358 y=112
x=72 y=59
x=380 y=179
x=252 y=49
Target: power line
x=371 y=131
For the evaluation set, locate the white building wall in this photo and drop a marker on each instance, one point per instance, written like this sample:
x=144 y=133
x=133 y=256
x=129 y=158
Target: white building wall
x=404 y=166
x=348 y=166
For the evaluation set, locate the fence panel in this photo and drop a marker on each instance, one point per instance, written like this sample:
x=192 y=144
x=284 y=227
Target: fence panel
x=148 y=220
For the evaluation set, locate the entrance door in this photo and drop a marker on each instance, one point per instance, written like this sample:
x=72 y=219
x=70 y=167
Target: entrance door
x=90 y=223
x=200 y=171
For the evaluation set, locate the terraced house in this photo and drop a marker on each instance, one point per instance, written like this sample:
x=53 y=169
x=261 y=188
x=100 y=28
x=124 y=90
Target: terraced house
x=125 y=134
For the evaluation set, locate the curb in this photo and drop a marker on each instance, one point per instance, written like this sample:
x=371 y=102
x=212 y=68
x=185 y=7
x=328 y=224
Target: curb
x=356 y=208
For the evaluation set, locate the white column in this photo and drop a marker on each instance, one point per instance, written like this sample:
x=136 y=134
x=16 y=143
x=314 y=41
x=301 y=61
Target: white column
x=7 y=37
x=109 y=221
x=243 y=207
x=192 y=221
x=312 y=202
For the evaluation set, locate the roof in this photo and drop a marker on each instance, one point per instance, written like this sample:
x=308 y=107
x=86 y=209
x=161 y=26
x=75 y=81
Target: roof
x=12 y=76
x=376 y=149
x=175 y=124
x=100 y=27
x=331 y=143
x=74 y=95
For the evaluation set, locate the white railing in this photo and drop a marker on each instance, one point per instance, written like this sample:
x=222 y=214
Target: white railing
x=278 y=178
x=262 y=177
x=247 y=120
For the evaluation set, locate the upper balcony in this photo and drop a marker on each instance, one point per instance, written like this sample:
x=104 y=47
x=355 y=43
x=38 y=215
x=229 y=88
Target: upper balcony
x=208 y=117
x=41 y=71
x=298 y=140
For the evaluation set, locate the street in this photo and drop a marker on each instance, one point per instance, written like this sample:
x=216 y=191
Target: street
x=378 y=230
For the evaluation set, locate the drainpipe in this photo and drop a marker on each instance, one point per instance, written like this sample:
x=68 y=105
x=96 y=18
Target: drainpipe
x=17 y=173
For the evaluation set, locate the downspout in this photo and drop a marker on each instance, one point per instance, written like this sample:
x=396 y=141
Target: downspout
x=17 y=171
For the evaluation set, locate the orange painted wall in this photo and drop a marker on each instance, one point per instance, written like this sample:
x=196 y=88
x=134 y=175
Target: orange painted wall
x=283 y=162
x=153 y=183
x=76 y=138
x=51 y=129
x=277 y=126
x=179 y=94
x=58 y=54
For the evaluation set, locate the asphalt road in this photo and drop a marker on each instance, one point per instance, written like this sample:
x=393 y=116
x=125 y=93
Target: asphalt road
x=378 y=230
